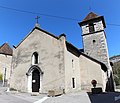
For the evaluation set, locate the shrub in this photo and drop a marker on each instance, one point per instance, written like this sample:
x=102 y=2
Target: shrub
x=116 y=72
x=1 y=77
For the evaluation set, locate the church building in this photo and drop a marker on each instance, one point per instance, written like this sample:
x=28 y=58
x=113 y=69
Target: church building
x=5 y=63
x=42 y=62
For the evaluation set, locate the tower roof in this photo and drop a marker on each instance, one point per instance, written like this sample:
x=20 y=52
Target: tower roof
x=5 y=49
x=90 y=16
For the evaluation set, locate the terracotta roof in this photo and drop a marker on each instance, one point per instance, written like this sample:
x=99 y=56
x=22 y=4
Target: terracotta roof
x=5 y=49
x=90 y=16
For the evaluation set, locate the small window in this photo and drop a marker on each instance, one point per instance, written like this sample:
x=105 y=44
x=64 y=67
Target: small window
x=73 y=82
x=72 y=63
x=35 y=58
x=91 y=28
x=94 y=41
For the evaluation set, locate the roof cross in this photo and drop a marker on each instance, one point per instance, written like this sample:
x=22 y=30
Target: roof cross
x=37 y=18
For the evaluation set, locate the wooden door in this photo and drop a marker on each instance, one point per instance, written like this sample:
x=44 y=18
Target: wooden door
x=35 y=80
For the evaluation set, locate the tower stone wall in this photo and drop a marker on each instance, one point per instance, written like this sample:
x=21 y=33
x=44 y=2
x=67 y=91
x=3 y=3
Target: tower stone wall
x=94 y=43
x=95 y=46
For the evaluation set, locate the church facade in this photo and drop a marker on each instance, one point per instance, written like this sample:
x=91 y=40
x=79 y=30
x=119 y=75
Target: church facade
x=42 y=61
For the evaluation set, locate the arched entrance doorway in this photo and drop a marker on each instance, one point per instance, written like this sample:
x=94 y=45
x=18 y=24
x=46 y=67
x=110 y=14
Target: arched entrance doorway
x=34 y=77
x=35 y=80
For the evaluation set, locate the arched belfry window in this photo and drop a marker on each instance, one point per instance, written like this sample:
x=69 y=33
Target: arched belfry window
x=91 y=28
x=35 y=58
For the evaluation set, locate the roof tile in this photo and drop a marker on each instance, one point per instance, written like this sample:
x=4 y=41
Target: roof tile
x=91 y=15
x=5 y=49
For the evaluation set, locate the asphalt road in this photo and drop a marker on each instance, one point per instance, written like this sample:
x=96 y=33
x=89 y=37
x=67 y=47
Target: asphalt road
x=79 y=97
x=5 y=98
x=15 y=97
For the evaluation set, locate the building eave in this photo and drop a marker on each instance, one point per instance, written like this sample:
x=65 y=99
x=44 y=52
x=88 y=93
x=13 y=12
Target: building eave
x=75 y=51
x=6 y=54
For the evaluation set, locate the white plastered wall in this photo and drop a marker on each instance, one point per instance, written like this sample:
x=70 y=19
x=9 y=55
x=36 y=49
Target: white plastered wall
x=72 y=70
x=91 y=70
x=5 y=62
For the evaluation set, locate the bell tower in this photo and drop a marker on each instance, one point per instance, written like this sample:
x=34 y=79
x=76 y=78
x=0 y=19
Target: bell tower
x=94 y=39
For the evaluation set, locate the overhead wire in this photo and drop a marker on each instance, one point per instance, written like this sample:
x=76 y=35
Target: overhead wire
x=47 y=15
x=24 y=11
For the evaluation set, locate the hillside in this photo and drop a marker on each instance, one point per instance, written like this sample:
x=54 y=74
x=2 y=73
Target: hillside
x=116 y=68
x=115 y=58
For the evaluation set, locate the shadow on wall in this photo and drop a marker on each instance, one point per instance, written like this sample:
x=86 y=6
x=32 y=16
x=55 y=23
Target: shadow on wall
x=110 y=87
x=110 y=97
x=1 y=83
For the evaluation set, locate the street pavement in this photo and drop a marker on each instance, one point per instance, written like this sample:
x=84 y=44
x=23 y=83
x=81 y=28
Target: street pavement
x=78 y=97
x=17 y=97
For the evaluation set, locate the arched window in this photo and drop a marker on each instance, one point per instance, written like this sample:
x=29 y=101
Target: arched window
x=91 y=28
x=35 y=58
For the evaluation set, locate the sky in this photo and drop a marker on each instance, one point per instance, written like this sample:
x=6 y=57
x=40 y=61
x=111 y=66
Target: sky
x=17 y=19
